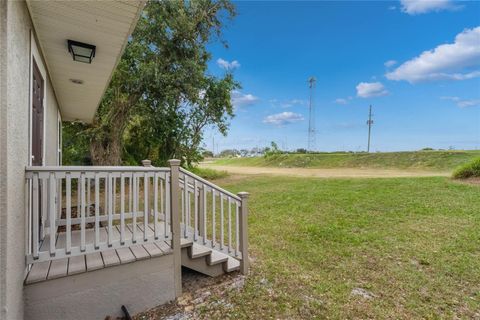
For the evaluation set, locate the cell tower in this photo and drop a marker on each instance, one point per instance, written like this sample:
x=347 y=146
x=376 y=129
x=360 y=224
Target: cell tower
x=311 y=122
x=369 y=123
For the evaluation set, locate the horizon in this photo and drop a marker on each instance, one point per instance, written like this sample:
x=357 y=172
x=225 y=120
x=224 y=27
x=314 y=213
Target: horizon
x=416 y=63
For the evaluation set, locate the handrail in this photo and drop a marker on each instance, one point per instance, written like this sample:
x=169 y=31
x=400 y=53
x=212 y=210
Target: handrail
x=208 y=183
x=94 y=169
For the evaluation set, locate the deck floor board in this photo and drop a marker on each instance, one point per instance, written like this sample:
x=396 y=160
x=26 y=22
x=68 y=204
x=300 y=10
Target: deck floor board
x=46 y=270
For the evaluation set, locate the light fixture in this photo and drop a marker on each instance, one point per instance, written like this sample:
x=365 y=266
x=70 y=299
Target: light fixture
x=81 y=52
x=76 y=81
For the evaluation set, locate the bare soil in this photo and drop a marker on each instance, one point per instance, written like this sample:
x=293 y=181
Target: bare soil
x=325 y=173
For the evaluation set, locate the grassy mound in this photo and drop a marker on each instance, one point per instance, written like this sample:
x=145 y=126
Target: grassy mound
x=468 y=170
x=422 y=160
x=207 y=173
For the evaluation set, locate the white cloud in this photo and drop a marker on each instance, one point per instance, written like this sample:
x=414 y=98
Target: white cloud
x=414 y=7
x=390 y=63
x=283 y=118
x=371 y=89
x=293 y=102
x=227 y=65
x=341 y=101
x=453 y=61
x=392 y=8
x=240 y=99
x=463 y=103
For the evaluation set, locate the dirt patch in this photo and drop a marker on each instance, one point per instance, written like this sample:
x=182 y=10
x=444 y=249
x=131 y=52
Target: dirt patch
x=325 y=173
x=198 y=293
x=474 y=181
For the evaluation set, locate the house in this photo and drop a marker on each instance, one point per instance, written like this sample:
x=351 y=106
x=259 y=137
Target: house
x=80 y=242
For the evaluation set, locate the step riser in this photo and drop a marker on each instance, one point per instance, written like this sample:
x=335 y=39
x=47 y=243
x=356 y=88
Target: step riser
x=200 y=265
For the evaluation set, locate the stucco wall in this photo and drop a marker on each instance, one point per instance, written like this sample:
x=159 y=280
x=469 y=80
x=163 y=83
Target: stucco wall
x=15 y=40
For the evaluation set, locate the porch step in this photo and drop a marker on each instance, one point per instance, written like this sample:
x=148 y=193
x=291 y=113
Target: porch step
x=207 y=260
x=197 y=251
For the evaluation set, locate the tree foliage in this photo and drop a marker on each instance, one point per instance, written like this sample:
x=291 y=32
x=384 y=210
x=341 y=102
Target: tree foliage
x=161 y=96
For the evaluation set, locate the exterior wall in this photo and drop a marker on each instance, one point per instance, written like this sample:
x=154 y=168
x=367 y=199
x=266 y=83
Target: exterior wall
x=139 y=286
x=15 y=56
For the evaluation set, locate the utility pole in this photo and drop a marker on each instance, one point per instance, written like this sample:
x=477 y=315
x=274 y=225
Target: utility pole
x=213 y=145
x=311 y=122
x=369 y=123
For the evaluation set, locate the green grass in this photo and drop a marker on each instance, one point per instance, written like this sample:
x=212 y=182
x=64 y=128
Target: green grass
x=412 y=242
x=424 y=160
x=209 y=174
x=468 y=170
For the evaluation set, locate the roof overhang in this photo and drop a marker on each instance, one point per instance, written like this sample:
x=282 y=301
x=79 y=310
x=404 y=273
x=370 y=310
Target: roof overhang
x=105 y=24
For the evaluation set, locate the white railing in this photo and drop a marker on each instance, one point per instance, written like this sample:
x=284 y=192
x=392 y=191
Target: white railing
x=78 y=210
x=211 y=215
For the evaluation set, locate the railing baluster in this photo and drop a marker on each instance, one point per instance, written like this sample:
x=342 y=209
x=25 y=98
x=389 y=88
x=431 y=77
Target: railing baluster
x=146 y=182
x=89 y=202
x=44 y=209
x=97 y=211
x=135 y=209
x=122 y=208
x=52 y=211
x=82 y=211
x=237 y=229
x=213 y=218
x=185 y=204
x=59 y=198
x=222 y=239
x=105 y=187
x=204 y=213
x=68 y=213
x=167 y=204
x=155 y=206
x=114 y=195
x=229 y=224
x=130 y=192
x=110 y=209
x=35 y=216
x=195 y=210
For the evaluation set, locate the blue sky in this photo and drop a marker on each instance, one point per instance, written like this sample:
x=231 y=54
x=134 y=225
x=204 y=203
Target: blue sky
x=416 y=62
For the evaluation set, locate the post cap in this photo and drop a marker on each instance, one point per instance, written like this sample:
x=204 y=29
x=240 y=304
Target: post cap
x=147 y=163
x=174 y=162
x=243 y=194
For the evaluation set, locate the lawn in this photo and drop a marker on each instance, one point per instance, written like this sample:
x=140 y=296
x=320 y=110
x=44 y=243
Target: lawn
x=411 y=244
x=423 y=160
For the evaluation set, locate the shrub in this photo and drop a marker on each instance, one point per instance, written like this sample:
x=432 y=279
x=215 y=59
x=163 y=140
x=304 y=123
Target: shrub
x=469 y=170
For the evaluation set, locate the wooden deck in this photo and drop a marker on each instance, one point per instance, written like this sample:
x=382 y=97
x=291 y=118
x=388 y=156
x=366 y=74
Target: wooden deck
x=47 y=270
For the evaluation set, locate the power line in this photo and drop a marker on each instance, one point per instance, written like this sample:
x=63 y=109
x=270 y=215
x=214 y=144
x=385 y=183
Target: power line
x=311 y=122
x=369 y=123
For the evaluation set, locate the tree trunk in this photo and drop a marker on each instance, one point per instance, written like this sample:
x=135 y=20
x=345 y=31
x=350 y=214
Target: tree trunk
x=106 y=143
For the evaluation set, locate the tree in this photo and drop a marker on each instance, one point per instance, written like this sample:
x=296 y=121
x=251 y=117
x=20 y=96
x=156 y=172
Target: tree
x=161 y=96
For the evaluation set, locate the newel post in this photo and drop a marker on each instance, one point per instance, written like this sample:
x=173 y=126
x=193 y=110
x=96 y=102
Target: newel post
x=244 y=232
x=147 y=163
x=175 y=223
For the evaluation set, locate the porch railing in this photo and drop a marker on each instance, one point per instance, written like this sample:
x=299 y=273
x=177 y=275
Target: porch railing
x=210 y=215
x=78 y=210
